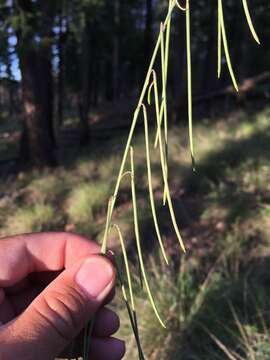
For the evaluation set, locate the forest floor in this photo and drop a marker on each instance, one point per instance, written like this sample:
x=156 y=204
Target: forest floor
x=215 y=299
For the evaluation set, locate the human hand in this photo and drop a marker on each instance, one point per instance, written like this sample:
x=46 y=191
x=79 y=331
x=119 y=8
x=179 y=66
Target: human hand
x=51 y=284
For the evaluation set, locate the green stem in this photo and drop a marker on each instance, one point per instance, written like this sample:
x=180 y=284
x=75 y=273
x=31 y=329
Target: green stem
x=133 y=125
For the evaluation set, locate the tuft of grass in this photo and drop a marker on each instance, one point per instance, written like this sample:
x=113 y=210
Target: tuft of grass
x=179 y=298
x=87 y=200
x=39 y=217
x=47 y=188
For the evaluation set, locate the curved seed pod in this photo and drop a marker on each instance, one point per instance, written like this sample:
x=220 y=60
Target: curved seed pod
x=159 y=124
x=138 y=243
x=151 y=194
x=189 y=82
x=250 y=24
x=150 y=93
x=219 y=42
x=180 y=6
x=225 y=44
x=107 y=227
x=167 y=191
x=164 y=114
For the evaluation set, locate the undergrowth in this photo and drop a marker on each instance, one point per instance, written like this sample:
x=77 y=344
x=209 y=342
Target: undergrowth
x=228 y=232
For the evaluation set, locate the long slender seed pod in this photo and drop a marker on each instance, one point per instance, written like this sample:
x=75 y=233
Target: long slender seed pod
x=151 y=194
x=138 y=244
x=167 y=50
x=164 y=94
x=108 y=220
x=250 y=23
x=159 y=124
x=219 y=42
x=159 y=133
x=158 y=117
x=189 y=82
x=133 y=124
x=156 y=95
x=172 y=214
x=226 y=48
x=150 y=92
x=176 y=229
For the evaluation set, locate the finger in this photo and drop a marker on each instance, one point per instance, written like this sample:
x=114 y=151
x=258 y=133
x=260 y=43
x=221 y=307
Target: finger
x=17 y=288
x=58 y=314
x=106 y=323
x=6 y=310
x=110 y=297
x=39 y=252
x=20 y=302
x=107 y=348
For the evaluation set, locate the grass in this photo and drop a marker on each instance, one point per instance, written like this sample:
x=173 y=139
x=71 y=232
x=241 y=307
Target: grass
x=214 y=300
x=87 y=200
x=33 y=218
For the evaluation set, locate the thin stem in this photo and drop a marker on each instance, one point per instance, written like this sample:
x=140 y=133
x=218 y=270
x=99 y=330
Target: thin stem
x=126 y=265
x=137 y=236
x=87 y=338
x=151 y=194
x=131 y=313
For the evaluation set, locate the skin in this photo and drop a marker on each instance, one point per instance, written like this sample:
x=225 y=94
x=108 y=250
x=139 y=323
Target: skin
x=44 y=305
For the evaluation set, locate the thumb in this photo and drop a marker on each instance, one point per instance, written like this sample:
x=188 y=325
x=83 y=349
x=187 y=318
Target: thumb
x=59 y=313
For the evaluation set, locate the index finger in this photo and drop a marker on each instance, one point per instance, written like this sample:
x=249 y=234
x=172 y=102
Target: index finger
x=52 y=251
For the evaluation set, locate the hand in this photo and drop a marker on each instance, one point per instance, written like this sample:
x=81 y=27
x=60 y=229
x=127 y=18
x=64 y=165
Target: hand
x=51 y=284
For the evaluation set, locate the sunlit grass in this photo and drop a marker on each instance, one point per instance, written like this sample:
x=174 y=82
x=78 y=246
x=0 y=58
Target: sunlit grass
x=87 y=200
x=39 y=217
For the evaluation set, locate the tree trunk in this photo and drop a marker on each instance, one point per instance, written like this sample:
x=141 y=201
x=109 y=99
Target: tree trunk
x=37 y=140
x=179 y=81
x=37 y=144
x=85 y=94
x=116 y=59
x=210 y=81
x=60 y=85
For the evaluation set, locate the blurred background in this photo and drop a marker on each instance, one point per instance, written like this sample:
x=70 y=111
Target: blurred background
x=70 y=76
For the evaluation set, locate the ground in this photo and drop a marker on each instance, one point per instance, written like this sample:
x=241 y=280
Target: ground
x=214 y=299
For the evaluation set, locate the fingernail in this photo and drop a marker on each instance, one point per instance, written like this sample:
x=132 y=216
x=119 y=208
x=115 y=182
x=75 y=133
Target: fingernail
x=94 y=275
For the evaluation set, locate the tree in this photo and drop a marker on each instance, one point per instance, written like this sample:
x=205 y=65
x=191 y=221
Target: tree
x=34 y=35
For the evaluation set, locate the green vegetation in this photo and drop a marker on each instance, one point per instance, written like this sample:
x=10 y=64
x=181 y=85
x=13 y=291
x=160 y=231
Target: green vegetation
x=215 y=299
